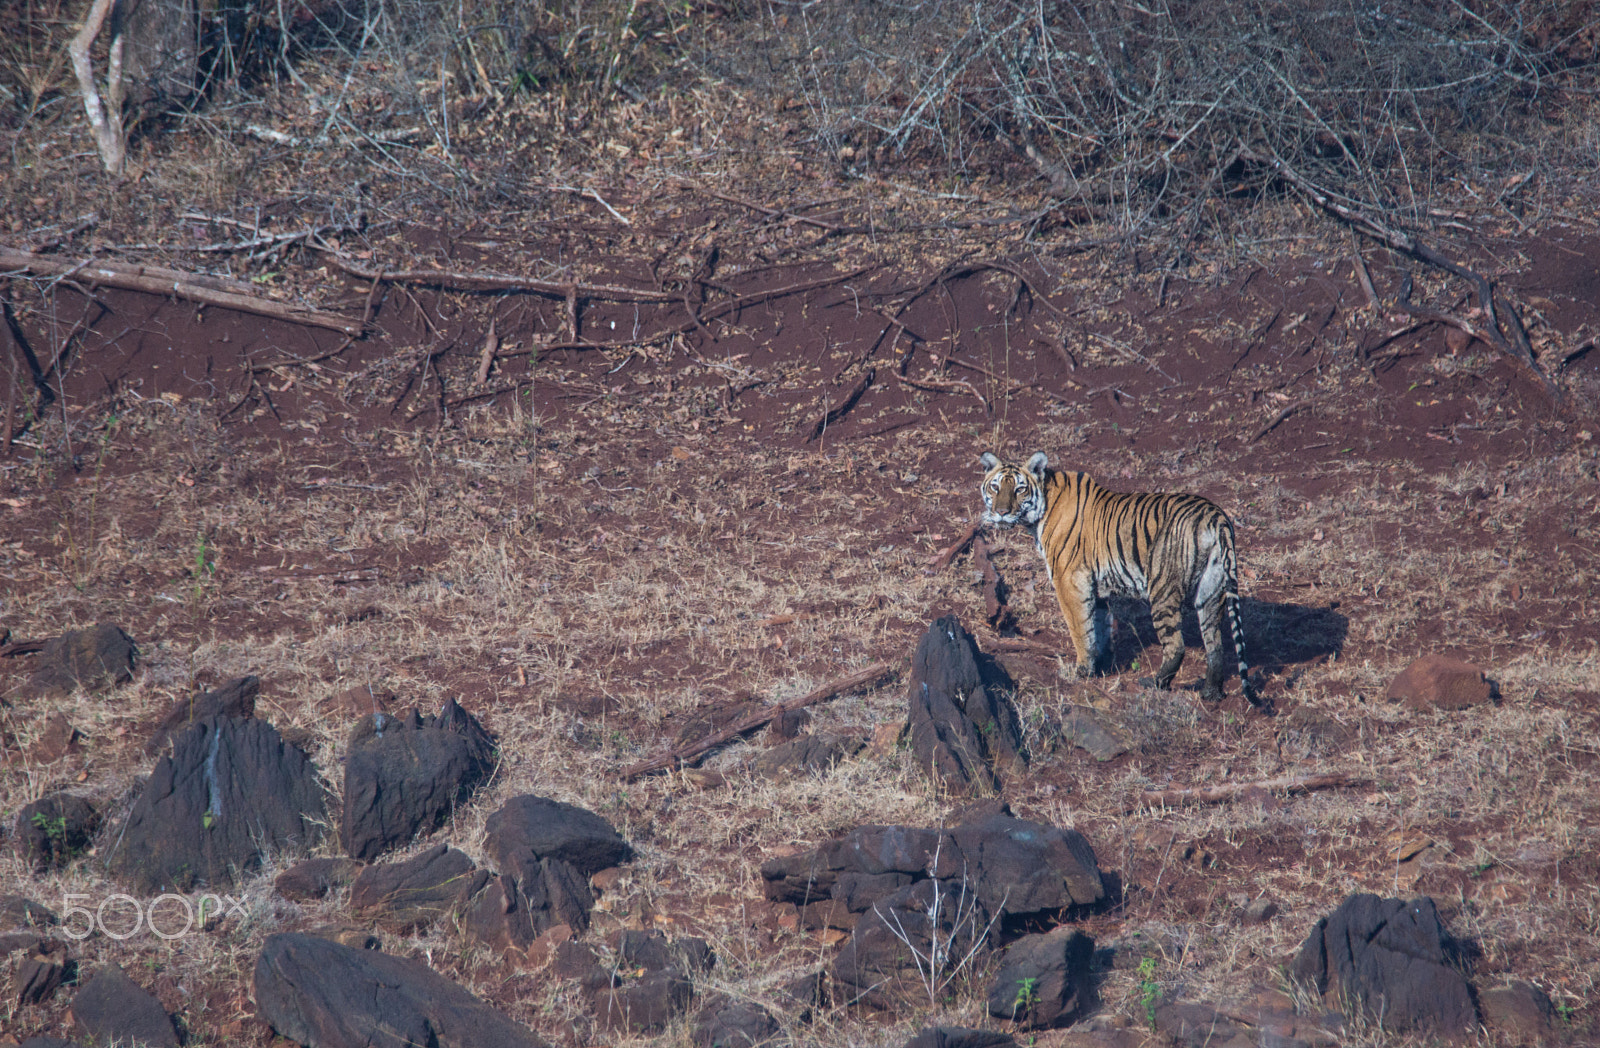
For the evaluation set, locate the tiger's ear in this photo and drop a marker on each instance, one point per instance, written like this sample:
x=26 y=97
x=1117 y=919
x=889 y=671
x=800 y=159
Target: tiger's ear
x=988 y=461
x=1037 y=463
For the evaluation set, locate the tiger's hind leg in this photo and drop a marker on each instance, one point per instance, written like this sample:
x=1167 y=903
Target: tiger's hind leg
x=1210 y=613
x=1166 y=614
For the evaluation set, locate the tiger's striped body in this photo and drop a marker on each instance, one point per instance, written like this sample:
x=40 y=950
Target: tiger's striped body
x=1096 y=543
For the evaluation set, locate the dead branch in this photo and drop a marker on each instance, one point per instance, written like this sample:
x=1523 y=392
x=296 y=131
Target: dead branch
x=105 y=119
x=770 y=212
x=690 y=751
x=1224 y=793
x=1520 y=354
x=491 y=345
x=934 y=386
x=842 y=408
x=481 y=281
x=1288 y=409
x=193 y=287
x=943 y=558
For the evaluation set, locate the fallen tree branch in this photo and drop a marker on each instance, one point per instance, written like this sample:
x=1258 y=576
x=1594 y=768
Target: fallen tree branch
x=1229 y=791
x=690 y=751
x=483 y=281
x=932 y=386
x=1288 y=409
x=995 y=610
x=193 y=287
x=943 y=558
x=1520 y=354
x=842 y=408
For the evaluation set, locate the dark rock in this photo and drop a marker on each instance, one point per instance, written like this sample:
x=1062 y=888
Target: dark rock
x=405 y=776
x=1096 y=732
x=231 y=792
x=828 y=913
x=809 y=754
x=1393 y=958
x=511 y=912
x=54 y=830
x=740 y=1024
x=858 y=891
x=1440 y=682
x=56 y=739
x=91 y=659
x=1520 y=1011
x=14 y=942
x=646 y=1004
x=111 y=1007
x=19 y=911
x=653 y=951
x=1260 y=911
x=1014 y=866
x=314 y=878
x=1200 y=1026
x=236 y=698
x=962 y=734
x=407 y=895
x=1019 y=866
x=788 y=726
x=527 y=829
x=50 y=1042
x=960 y=1037
x=580 y=962
x=1043 y=980
x=318 y=993
x=42 y=971
x=887 y=963
x=347 y=935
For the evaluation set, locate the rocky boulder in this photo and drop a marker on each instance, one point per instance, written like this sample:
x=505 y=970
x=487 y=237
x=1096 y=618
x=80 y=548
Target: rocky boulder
x=93 y=659
x=964 y=731
x=403 y=777
x=112 y=1009
x=1440 y=682
x=908 y=946
x=1393 y=958
x=1043 y=979
x=528 y=829
x=404 y=896
x=236 y=698
x=231 y=792
x=54 y=830
x=321 y=994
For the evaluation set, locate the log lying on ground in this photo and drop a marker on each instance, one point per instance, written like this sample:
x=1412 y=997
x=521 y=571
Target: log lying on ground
x=157 y=280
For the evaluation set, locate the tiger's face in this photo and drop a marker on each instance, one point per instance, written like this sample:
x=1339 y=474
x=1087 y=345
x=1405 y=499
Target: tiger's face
x=1013 y=494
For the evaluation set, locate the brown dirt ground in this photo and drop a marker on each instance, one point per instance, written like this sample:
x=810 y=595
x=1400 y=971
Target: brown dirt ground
x=619 y=542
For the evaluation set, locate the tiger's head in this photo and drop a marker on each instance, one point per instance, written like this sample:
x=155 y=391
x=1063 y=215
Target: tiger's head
x=1013 y=494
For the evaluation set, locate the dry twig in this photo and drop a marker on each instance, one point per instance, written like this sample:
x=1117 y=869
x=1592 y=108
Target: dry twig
x=692 y=750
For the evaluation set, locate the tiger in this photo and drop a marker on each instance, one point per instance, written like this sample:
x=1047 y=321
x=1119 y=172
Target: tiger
x=1161 y=547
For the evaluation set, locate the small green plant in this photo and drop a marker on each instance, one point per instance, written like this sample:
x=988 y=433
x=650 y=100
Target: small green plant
x=1027 y=996
x=1149 y=989
x=205 y=564
x=208 y=820
x=55 y=828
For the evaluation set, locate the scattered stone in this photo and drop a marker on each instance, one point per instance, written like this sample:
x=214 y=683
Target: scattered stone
x=809 y=754
x=886 y=738
x=56 y=739
x=580 y=962
x=528 y=829
x=1260 y=911
x=19 y=911
x=1096 y=732
x=404 y=777
x=961 y=734
x=1440 y=682
x=1043 y=980
x=231 y=793
x=542 y=950
x=960 y=1037
x=42 y=971
x=1018 y=866
x=49 y=1042
x=94 y=659
x=314 y=878
x=407 y=895
x=1201 y=1026
x=645 y=1004
x=1393 y=958
x=1519 y=1010
x=788 y=726
x=739 y=1024
x=653 y=951
x=112 y=1008
x=509 y=912
x=54 y=829
x=318 y=993
x=237 y=698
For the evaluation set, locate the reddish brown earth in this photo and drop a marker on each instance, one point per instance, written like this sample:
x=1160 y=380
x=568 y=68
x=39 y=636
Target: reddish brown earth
x=598 y=546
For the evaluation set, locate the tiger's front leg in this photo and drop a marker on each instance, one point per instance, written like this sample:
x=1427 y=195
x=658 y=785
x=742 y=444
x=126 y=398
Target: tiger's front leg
x=1088 y=622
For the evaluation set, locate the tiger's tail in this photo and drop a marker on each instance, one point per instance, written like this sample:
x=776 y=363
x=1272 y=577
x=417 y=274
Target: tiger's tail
x=1230 y=598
